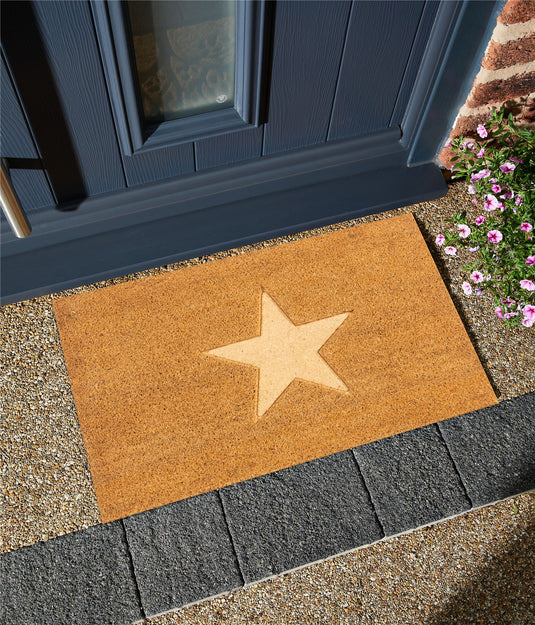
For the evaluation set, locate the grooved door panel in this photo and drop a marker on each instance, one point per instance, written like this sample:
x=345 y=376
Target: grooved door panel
x=378 y=44
x=159 y=164
x=52 y=49
x=231 y=148
x=308 y=42
x=27 y=175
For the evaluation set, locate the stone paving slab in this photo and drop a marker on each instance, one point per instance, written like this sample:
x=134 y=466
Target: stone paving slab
x=412 y=479
x=494 y=449
x=83 y=578
x=299 y=515
x=182 y=553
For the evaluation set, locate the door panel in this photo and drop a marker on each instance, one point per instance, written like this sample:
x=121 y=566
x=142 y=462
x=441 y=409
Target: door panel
x=52 y=52
x=16 y=145
x=226 y=149
x=308 y=42
x=377 y=48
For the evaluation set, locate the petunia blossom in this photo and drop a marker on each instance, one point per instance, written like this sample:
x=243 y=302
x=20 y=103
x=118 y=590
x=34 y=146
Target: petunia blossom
x=530 y=260
x=491 y=202
x=481 y=153
x=484 y=173
x=528 y=285
x=479 y=220
x=450 y=250
x=467 y=288
x=526 y=226
x=507 y=167
x=495 y=188
x=499 y=312
x=518 y=200
x=472 y=188
x=440 y=238
x=464 y=231
x=529 y=312
x=494 y=236
x=527 y=323
x=474 y=249
x=477 y=276
x=507 y=195
x=482 y=131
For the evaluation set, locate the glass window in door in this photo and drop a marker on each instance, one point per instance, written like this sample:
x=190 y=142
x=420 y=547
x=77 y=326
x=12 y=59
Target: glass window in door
x=185 y=56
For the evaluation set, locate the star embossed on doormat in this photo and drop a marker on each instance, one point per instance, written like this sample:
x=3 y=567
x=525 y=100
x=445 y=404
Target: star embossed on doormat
x=209 y=375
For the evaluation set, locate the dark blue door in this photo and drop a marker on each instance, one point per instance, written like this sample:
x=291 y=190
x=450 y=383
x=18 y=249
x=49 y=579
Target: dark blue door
x=336 y=111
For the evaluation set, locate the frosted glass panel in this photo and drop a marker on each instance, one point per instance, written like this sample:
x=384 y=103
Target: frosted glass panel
x=185 y=56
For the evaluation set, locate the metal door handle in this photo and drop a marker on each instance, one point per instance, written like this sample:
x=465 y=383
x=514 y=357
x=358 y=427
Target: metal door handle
x=11 y=206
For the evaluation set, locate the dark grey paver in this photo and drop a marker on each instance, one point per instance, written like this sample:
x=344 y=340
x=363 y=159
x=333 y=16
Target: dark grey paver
x=83 y=578
x=299 y=515
x=412 y=479
x=494 y=449
x=182 y=553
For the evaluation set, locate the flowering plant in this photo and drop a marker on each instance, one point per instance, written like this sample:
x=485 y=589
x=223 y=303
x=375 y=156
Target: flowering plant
x=499 y=231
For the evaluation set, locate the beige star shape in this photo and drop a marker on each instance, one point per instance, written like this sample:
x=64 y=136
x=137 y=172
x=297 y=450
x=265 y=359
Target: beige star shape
x=284 y=352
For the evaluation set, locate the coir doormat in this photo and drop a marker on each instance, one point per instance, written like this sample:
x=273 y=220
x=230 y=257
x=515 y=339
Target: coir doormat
x=209 y=375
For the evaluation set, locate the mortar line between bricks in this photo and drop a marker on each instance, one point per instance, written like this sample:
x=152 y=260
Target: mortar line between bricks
x=231 y=537
x=133 y=571
x=368 y=492
x=454 y=465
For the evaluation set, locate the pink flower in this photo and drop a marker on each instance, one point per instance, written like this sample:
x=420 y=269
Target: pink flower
x=510 y=314
x=450 y=250
x=526 y=226
x=495 y=188
x=518 y=200
x=448 y=143
x=482 y=131
x=481 y=153
x=477 y=276
x=474 y=201
x=493 y=180
x=474 y=249
x=472 y=189
x=440 y=239
x=529 y=312
x=530 y=260
x=479 y=220
x=484 y=173
x=499 y=312
x=468 y=144
x=507 y=195
x=527 y=323
x=517 y=160
x=528 y=285
x=464 y=231
x=491 y=203
x=467 y=288
x=494 y=236
x=507 y=167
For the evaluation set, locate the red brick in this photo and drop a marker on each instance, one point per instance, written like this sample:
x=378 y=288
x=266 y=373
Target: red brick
x=504 y=55
x=502 y=90
x=516 y=11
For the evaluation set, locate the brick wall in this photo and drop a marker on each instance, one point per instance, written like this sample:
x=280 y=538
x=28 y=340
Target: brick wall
x=507 y=74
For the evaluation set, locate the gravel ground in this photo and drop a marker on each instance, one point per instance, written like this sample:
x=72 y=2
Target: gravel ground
x=476 y=568
x=46 y=487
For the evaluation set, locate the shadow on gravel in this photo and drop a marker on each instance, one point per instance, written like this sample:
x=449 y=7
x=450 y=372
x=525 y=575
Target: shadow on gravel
x=503 y=594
